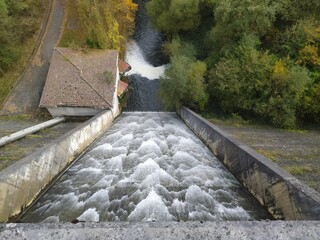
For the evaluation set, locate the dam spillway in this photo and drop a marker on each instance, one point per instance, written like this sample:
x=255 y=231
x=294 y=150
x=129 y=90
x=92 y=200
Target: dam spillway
x=147 y=166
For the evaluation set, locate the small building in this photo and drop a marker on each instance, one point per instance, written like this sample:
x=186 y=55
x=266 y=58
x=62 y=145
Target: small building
x=81 y=83
x=123 y=67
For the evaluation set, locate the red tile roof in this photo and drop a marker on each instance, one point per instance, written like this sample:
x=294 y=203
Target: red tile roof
x=122 y=87
x=124 y=67
x=78 y=79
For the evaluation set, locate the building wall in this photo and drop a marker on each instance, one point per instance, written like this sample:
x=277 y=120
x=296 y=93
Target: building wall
x=73 y=111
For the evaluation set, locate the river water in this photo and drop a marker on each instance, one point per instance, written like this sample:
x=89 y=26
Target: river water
x=148 y=166
x=144 y=54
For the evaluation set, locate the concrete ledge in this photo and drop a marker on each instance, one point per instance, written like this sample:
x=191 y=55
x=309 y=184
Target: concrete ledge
x=168 y=230
x=21 y=182
x=284 y=196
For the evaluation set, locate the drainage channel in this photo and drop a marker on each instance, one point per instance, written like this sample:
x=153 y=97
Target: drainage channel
x=147 y=167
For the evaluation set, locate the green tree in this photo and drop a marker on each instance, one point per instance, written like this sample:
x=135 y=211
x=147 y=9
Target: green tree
x=310 y=107
x=173 y=16
x=250 y=82
x=292 y=10
x=184 y=84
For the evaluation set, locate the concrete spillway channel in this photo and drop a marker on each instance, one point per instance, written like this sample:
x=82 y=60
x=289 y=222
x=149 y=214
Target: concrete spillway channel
x=150 y=168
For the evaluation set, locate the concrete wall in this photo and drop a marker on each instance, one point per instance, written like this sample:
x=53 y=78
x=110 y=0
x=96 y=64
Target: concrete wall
x=283 y=195
x=21 y=182
x=73 y=111
x=223 y=230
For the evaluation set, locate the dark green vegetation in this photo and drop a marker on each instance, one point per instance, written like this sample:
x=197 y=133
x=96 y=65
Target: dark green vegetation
x=19 y=21
x=257 y=59
x=99 y=24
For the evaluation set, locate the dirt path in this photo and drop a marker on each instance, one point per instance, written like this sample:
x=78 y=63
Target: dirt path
x=25 y=97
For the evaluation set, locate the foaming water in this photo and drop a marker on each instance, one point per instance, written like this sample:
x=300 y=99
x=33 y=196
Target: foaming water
x=146 y=167
x=139 y=65
x=147 y=60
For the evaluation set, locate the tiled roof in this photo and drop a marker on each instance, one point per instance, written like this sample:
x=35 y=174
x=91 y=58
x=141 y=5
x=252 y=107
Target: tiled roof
x=78 y=79
x=124 y=67
x=122 y=87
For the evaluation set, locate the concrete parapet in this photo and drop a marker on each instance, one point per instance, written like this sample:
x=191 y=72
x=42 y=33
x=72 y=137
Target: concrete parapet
x=283 y=195
x=225 y=230
x=21 y=182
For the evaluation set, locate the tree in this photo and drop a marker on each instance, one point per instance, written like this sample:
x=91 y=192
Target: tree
x=106 y=24
x=250 y=82
x=233 y=19
x=174 y=16
x=184 y=84
x=292 y=10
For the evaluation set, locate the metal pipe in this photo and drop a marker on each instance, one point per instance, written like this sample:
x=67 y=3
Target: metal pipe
x=20 y=134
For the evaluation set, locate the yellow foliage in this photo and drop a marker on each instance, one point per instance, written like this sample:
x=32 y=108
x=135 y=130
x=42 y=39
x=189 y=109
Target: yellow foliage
x=104 y=24
x=279 y=71
x=313 y=33
x=279 y=67
x=309 y=55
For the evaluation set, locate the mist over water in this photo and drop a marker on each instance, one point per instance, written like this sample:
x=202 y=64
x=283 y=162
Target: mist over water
x=146 y=167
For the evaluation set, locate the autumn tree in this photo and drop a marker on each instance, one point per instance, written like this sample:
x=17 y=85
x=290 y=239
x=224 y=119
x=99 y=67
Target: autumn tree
x=250 y=82
x=106 y=24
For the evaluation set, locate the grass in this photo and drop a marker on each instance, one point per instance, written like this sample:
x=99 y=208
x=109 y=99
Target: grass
x=233 y=119
x=21 y=117
x=298 y=170
x=11 y=152
x=272 y=155
x=33 y=136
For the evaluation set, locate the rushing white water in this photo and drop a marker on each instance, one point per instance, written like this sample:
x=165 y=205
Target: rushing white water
x=139 y=65
x=146 y=167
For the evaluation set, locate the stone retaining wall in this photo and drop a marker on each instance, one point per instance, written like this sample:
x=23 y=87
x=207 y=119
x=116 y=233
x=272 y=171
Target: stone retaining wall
x=284 y=196
x=21 y=182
